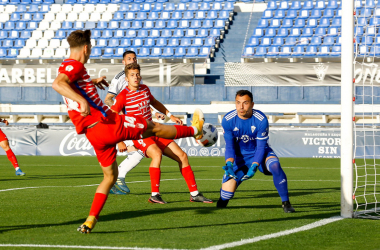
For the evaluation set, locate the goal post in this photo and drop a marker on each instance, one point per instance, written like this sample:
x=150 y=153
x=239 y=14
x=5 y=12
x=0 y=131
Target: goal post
x=347 y=108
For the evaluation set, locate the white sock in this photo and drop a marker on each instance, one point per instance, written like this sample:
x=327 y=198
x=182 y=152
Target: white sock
x=17 y=168
x=194 y=193
x=129 y=163
x=195 y=130
x=155 y=193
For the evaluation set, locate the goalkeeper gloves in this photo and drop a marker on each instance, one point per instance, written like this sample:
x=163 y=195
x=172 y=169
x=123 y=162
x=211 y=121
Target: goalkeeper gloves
x=251 y=172
x=228 y=170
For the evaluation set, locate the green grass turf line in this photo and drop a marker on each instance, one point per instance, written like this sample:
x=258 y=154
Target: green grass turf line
x=50 y=215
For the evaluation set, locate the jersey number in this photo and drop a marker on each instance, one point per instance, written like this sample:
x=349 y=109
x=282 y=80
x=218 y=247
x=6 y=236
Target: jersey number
x=129 y=122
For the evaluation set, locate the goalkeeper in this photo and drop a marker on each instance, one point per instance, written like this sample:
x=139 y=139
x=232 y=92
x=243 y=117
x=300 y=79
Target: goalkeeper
x=246 y=134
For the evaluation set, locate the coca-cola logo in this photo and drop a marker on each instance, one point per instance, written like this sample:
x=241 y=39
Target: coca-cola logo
x=74 y=144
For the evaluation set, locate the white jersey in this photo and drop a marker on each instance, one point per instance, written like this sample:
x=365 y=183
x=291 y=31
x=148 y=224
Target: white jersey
x=118 y=83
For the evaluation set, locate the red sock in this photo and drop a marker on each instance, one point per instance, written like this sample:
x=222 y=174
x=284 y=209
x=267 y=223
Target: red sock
x=183 y=131
x=155 y=176
x=12 y=158
x=188 y=174
x=97 y=204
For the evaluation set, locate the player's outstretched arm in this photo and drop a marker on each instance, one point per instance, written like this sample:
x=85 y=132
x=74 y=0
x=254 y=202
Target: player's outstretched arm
x=109 y=99
x=61 y=84
x=161 y=107
x=100 y=82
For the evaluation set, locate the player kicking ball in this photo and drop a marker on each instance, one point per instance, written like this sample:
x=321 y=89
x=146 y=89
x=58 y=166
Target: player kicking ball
x=103 y=127
x=246 y=132
x=136 y=99
x=4 y=143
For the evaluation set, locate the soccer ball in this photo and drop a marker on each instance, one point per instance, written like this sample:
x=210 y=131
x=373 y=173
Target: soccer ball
x=210 y=135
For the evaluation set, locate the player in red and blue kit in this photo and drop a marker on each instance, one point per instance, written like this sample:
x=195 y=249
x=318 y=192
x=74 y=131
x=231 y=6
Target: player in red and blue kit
x=246 y=132
x=103 y=127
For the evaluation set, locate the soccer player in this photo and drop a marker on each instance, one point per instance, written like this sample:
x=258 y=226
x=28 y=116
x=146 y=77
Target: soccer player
x=118 y=83
x=246 y=132
x=136 y=99
x=103 y=127
x=11 y=156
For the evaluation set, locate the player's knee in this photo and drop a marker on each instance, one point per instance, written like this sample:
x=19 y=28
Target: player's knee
x=182 y=156
x=4 y=145
x=226 y=195
x=273 y=165
x=155 y=153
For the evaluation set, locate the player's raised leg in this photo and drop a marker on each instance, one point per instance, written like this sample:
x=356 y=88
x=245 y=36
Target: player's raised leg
x=174 y=152
x=100 y=198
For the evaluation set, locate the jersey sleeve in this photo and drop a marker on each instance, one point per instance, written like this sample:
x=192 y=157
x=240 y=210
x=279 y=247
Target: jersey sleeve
x=112 y=89
x=119 y=103
x=229 y=139
x=263 y=130
x=151 y=97
x=74 y=71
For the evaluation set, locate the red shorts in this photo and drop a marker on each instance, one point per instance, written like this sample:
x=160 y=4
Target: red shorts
x=116 y=128
x=3 y=137
x=143 y=144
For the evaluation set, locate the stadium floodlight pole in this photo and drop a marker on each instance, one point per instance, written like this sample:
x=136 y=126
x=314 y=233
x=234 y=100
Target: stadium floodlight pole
x=347 y=106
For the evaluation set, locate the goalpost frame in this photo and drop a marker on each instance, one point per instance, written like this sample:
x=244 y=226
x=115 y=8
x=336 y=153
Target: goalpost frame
x=347 y=108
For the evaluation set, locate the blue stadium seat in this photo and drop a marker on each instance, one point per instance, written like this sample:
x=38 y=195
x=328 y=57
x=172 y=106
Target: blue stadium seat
x=149 y=42
x=101 y=43
x=324 y=22
x=333 y=32
x=162 y=42
x=114 y=42
x=299 y=51
x=15 y=17
x=339 y=40
x=324 y=51
x=336 y=22
x=375 y=51
x=166 y=33
x=124 y=7
x=141 y=16
x=202 y=32
x=362 y=21
x=185 y=42
x=96 y=53
x=307 y=32
x=3 y=52
x=20 y=26
x=377 y=40
x=229 y=6
x=58 y=34
x=156 y=53
x=329 y=13
x=142 y=33
x=153 y=16
x=276 y=23
x=286 y=23
x=146 y=7
x=299 y=23
x=212 y=14
x=214 y=32
x=144 y=53
x=170 y=7
x=168 y=53
x=365 y=12
x=367 y=40
x=290 y=41
x=181 y=6
x=316 y=40
x=304 y=14
x=209 y=42
x=359 y=31
x=373 y=21
x=21 y=8
x=96 y=34
x=336 y=51
x=328 y=40
x=332 y=4
x=272 y=5
x=338 y=12
x=66 y=25
x=261 y=51
x=200 y=15
x=38 y=17
x=263 y=23
x=12 y=53
x=107 y=33
x=292 y=14
x=118 y=15
x=78 y=25
x=204 y=6
x=270 y=32
x=33 y=8
x=308 y=5
x=130 y=16
x=188 y=15
x=125 y=42
x=279 y=14
x=296 y=5
x=9 y=25
x=258 y=32
x=148 y=24
x=320 y=5
x=268 y=14
x=285 y=52
x=136 y=25
x=277 y=41
x=303 y=41
x=135 y=7
x=180 y=52
x=192 y=52
x=284 y=5
x=102 y=25
x=316 y=13
x=4 y=2
x=178 y=33
x=254 y=41
x=283 y=32
x=177 y=15
x=172 y=24
x=138 y=42
x=295 y=32
x=312 y=23
x=217 y=6
x=266 y=41
x=363 y=50
x=358 y=4
x=190 y=33
x=311 y=51
x=320 y=31
x=165 y=15
x=130 y=33
x=173 y=42
x=158 y=7
x=370 y=4
x=90 y=25
x=193 y=6
x=248 y=51
x=7 y=43
x=26 y=17
x=19 y=43
x=184 y=24
x=195 y=24
x=207 y=24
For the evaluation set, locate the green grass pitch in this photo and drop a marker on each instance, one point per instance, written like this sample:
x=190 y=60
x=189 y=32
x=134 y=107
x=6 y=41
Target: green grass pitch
x=48 y=204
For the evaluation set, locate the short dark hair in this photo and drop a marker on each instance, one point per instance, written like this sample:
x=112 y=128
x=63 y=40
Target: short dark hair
x=244 y=92
x=79 y=38
x=128 y=52
x=131 y=66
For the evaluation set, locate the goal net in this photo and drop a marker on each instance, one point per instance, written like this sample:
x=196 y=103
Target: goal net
x=366 y=125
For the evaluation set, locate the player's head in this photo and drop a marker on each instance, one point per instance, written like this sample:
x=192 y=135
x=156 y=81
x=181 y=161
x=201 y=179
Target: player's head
x=129 y=57
x=132 y=75
x=80 y=44
x=244 y=103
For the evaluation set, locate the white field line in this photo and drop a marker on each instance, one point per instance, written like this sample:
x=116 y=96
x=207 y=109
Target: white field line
x=216 y=247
